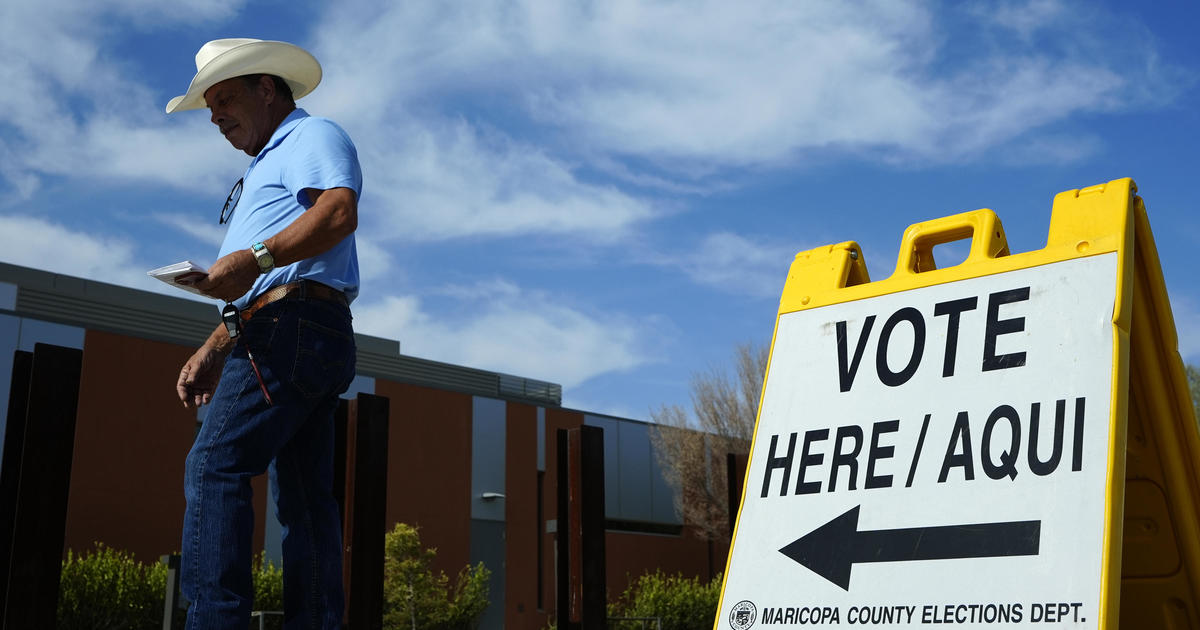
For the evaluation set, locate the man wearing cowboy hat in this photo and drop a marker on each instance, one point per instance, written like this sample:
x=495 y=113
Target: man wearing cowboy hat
x=288 y=263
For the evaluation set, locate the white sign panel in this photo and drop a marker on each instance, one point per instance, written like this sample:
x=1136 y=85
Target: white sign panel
x=935 y=456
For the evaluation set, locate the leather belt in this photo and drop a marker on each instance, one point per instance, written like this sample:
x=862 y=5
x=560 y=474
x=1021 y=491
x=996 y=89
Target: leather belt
x=300 y=289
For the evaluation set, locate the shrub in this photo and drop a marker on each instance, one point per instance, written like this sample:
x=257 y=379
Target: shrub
x=417 y=599
x=108 y=589
x=268 y=591
x=682 y=603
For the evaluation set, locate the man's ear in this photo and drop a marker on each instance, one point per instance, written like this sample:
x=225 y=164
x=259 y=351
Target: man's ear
x=266 y=87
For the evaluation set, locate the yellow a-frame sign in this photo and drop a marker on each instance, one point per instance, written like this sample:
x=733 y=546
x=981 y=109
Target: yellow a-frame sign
x=1007 y=442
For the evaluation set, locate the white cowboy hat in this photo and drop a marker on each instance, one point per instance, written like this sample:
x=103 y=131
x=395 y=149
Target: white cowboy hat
x=223 y=59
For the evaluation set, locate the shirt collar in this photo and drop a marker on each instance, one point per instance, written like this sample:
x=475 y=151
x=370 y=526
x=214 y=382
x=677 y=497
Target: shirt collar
x=282 y=131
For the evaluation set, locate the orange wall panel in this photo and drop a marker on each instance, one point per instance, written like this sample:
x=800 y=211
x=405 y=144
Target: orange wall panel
x=429 y=468
x=520 y=513
x=131 y=437
x=630 y=555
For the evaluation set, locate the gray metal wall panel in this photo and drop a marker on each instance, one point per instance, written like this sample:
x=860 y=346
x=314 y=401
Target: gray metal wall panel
x=612 y=465
x=35 y=332
x=360 y=385
x=541 y=439
x=662 y=496
x=634 y=485
x=637 y=500
x=10 y=334
x=487 y=546
x=488 y=431
x=8 y=296
x=190 y=328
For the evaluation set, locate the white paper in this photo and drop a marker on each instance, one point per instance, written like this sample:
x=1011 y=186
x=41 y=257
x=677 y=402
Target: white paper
x=179 y=274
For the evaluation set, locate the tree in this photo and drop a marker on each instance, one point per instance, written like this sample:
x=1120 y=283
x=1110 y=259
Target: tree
x=692 y=449
x=416 y=598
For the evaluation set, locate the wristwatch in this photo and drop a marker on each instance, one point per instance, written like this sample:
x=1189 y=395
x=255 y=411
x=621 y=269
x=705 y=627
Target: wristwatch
x=266 y=262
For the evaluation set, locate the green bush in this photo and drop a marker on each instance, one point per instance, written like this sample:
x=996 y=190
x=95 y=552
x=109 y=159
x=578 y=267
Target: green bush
x=682 y=603
x=268 y=591
x=417 y=599
x=108 y=589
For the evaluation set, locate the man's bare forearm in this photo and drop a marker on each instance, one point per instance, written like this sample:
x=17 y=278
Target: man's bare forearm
x=219 y=340
x=332 y=217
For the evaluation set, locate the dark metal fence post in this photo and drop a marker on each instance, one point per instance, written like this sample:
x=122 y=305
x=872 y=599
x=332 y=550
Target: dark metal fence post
x=171 y=596
x=735 y=473
x=10 y=467
x=365 y=503
x=562 y=538
x=43 y=484
x=582 y=586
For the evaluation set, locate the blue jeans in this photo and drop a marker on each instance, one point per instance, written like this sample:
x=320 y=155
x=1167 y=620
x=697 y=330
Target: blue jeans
x=305 y=352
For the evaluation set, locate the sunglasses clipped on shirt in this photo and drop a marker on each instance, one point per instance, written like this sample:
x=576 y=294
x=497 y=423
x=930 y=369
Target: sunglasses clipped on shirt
x=231 y=202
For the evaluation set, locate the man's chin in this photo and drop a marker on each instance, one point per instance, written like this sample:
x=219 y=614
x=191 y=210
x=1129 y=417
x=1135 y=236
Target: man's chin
x=240 y=146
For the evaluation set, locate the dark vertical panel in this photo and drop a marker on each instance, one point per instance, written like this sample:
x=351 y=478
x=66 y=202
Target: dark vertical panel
x=591 y=513
x=733 y=483
x=541 y=552
x=340 y=418
x=368 y=502
x=581 y=558
x=555 y=420
x=562 y=538
x=10 y=470
x=45 y=480
x=171 y=597
x=345 y=468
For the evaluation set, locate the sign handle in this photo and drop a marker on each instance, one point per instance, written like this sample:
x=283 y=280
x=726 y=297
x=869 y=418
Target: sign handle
x=981 y=226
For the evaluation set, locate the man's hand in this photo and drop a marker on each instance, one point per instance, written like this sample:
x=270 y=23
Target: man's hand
x=199 y=377
x=231 y=276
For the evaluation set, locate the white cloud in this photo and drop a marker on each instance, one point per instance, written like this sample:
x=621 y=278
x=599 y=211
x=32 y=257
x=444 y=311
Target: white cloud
x=45 y=245
x=374 y=261
x=1025 y=18
x=709 y=84
x=508 y=119
x=69 y=108
x=510 y=330
x=203 y=232
x=736 y=264
x=445 y=179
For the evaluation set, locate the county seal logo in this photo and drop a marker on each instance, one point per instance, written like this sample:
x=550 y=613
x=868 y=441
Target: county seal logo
x=743 y=615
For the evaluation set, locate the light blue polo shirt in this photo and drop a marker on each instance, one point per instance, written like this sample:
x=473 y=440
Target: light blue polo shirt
x=304 y=152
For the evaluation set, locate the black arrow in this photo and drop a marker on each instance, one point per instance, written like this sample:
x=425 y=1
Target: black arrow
x=831 y=549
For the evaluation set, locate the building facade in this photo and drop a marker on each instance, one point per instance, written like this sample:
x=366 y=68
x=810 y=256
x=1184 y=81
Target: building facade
x=471 y=452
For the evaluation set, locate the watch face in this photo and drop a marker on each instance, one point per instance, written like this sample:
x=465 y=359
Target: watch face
x=265 y=260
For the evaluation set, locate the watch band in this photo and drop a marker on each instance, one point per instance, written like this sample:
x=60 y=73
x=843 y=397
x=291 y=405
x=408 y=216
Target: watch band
x=262 y=255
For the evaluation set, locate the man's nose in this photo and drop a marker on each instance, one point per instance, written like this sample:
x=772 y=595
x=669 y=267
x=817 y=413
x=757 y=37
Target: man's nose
x=217 y=117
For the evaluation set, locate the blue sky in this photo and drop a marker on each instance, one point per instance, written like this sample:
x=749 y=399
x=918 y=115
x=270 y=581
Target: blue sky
x=606 y=195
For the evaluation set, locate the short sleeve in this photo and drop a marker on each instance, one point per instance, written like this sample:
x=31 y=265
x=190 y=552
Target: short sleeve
x=322 y=157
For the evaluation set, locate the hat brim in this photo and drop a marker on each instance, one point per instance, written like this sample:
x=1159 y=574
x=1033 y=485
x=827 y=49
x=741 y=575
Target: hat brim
x=287 y=61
